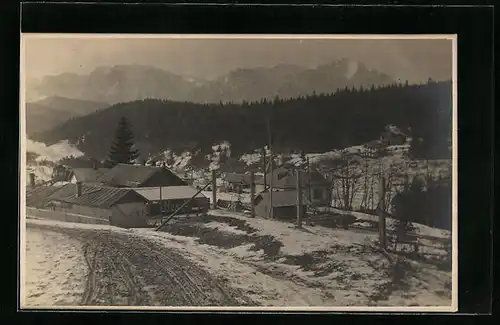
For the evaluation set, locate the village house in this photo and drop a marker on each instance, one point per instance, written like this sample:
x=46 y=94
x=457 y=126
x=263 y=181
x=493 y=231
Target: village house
x=123 y=175
x=39 y=196
x=239 y=183
x=87 y=175
x=392 y=136
x=120 y=207
x=315 y=187
x=233 y=165
x=284 y=204
x=166 y=200
x=373 y=148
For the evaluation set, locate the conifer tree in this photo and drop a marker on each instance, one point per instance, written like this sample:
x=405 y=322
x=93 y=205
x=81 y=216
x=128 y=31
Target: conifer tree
x=122 y=151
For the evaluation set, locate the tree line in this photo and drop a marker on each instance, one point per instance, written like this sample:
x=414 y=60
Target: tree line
x=313 y=123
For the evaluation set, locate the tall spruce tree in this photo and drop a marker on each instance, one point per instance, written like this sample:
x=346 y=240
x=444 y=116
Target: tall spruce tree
x=122 y=151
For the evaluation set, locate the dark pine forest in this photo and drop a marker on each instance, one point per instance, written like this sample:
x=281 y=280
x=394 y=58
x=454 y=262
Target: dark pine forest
x=314 y=123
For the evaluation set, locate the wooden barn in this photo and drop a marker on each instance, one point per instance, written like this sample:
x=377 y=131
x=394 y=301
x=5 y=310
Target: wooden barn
x=165 y=200
x=121 y=207
x=123 y=175
x=284 y=204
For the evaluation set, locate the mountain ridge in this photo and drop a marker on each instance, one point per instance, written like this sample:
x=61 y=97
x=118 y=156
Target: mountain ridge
x=124 y=83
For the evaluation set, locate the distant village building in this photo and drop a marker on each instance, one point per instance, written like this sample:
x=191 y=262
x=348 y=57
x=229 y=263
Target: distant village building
x=87 y=175
x=392 y=136
x=315 y=187
x=233 y=165
x=284 y=204
x=239 y=183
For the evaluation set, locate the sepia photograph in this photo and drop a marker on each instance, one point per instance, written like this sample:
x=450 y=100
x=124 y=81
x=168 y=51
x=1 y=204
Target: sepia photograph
x=238 y=172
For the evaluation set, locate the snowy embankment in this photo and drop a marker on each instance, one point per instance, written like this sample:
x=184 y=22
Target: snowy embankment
x=279 y=265
x=55 y=269
x=54 y=152
x=420 y=229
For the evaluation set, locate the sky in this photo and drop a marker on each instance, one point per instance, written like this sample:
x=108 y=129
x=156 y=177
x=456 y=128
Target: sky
x=407 y=59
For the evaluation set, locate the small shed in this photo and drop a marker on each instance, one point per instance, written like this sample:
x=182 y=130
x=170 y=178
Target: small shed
x=169 y=198
x=284 y=204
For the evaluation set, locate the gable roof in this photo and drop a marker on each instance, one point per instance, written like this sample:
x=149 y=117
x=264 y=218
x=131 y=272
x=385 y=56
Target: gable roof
x=282 y=198
x=285 y=178
x=39 y=196
x=89 y=175
x=168 y=193
x=131 y=175
x=93 y=195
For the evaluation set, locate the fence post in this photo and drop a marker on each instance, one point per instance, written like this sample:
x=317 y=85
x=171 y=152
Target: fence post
x=299 y=201
x=214 y=190
x=382 y=230
x=252 y=194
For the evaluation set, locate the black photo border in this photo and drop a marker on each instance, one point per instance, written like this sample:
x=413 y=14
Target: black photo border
x=472 y=24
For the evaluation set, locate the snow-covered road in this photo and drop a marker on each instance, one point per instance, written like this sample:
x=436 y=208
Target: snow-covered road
x=99 y=267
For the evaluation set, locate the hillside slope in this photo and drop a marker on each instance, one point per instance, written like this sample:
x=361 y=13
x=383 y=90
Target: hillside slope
x=317 y=123
x=49 y=112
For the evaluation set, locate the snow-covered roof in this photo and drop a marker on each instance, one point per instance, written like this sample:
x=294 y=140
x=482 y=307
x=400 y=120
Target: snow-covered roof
x=168 y=193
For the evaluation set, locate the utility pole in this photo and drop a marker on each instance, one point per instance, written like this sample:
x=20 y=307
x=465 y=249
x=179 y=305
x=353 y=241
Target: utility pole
x=161 y=205
x=299 y=201
x=271 y=212
x=382 y=232
x=252 y=194
x=214 y=190
x=309 y=179
x=265 y=168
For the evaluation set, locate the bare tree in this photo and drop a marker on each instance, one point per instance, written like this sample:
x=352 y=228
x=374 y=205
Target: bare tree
x=346 y=179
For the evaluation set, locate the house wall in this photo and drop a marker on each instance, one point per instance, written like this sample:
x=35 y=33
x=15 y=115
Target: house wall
x=63 y=216
x=259 y=188
x=170 y=206
x=163 y=178
x=89 y=211
x=318 y=195
x=128 y=215
x=288 y=212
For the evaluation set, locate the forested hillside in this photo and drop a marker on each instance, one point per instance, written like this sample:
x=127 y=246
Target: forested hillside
x=315 y=123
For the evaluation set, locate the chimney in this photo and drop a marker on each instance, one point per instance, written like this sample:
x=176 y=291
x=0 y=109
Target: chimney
x=78 y=192
x=32 y=179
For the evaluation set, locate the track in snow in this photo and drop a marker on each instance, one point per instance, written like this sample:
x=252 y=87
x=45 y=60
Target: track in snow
x=126 y=270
